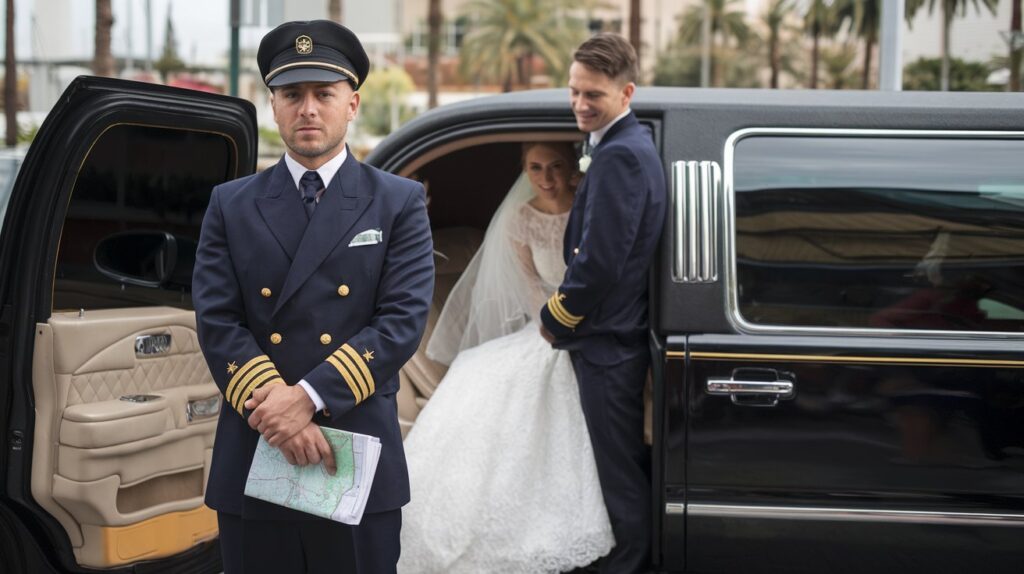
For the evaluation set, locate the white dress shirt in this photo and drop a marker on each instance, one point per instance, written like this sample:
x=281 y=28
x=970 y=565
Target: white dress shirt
x=597 y=135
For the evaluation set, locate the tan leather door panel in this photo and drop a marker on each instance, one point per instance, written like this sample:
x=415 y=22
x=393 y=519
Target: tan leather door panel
x=120 y=458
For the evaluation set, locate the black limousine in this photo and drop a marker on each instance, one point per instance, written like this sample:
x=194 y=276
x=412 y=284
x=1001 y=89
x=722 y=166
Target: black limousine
x=837 y=322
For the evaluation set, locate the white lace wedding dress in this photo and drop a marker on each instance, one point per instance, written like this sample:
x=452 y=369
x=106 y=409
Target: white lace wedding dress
x=502 y=470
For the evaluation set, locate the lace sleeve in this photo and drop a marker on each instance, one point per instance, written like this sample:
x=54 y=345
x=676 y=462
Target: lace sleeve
x=519 y=235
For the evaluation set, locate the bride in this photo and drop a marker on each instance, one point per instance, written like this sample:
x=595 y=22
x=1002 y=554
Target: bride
x=501 y=467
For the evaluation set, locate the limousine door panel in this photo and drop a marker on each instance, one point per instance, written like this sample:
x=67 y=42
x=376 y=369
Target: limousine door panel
x=863 y=408
x=110 y=396
x=887 y=449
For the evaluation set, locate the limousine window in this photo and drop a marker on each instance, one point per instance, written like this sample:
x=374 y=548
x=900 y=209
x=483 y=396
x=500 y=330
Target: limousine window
x=897 y=232
x=140 y=189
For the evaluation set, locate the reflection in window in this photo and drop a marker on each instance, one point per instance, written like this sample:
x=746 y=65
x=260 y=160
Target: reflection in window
x=902 y=233
x=143 y=179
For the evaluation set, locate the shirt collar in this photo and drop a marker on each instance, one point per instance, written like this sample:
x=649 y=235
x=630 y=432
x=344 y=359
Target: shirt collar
x=326 y=171
x=597 y=135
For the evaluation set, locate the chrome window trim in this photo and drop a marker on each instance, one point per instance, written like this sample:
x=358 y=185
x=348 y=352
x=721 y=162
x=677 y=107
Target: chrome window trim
x=729 y=230
x=854 y=515
x=696 y=188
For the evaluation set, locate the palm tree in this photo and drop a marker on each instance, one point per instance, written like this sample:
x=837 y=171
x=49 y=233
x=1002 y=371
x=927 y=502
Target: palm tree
x=634 y=25
x=864 y=18
x=819 y=20
x=434 y=22
x=727 y=22
x=505 y=35
x=334 y=8
x=103 y=60
x=10 y=81
x=1015 y=49
x=774 y=19
x=949 y=11
x=836 y=60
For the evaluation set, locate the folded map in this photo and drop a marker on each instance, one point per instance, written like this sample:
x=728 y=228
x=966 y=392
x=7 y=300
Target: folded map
x=341 y=497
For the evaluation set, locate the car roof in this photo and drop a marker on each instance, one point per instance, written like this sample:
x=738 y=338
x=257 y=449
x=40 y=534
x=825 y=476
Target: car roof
x=518 y=109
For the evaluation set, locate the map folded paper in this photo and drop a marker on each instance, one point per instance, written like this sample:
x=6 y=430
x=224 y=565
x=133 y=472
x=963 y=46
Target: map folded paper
x=311 y=488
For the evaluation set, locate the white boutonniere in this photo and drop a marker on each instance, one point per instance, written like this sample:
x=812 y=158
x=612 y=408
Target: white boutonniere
x=584 y=163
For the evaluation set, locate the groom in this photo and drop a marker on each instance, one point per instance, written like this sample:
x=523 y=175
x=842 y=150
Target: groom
x=599 y=312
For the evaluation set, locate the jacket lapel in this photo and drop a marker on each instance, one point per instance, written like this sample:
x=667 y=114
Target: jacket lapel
x=339 y=208
x=281 y=209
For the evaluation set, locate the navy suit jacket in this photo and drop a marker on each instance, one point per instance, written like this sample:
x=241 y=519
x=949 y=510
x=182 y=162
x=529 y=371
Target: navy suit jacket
x=280 y=298
x=614 y=227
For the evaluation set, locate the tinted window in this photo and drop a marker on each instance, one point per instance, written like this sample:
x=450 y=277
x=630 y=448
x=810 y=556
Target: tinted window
x=902 y=233
x=138 y=178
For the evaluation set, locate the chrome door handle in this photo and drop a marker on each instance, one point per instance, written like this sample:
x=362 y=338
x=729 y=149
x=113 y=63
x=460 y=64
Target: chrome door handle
x=744 y=388
x=783 y=389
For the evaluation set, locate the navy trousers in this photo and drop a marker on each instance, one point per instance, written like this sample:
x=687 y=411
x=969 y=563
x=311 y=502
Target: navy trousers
x=310 y=546
x=612 y=398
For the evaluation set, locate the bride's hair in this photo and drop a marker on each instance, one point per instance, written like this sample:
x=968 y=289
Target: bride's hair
x=564 y=149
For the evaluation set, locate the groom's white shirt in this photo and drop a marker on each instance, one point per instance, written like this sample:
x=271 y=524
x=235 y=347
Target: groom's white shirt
x=597 y=135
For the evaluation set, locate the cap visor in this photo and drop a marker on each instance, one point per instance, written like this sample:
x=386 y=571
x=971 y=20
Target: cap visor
x=302 y=75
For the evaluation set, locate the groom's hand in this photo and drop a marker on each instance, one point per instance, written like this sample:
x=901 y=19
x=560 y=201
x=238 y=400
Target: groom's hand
x=547 y=334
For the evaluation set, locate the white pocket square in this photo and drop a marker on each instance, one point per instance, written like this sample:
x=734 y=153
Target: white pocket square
x=368 y=237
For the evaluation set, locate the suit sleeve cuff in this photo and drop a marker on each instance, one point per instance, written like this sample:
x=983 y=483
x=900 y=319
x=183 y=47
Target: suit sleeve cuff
x=313 y=395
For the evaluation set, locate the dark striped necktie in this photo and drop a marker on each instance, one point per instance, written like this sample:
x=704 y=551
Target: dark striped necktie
x=310 y=184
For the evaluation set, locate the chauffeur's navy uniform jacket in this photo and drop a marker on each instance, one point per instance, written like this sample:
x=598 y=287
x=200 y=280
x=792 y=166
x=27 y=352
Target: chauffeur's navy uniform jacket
x=612 y=233
x=280 y=298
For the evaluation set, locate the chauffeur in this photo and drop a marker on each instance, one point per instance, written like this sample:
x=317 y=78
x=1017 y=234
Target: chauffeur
x=311 y=289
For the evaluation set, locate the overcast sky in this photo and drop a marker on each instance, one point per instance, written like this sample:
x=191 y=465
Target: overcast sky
x=200 y=26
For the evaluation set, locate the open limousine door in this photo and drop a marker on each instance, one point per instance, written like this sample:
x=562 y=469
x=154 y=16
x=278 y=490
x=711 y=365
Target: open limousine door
x=107 y=406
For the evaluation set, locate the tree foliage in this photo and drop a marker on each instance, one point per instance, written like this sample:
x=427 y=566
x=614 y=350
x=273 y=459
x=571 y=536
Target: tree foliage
x=925 y=74
x=505 y=35
x=383 y=107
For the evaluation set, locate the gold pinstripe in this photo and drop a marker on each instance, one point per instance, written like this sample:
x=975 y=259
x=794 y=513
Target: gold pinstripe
x=242 y=373
x=357 y=392
x=361 y=363
x=926 y=361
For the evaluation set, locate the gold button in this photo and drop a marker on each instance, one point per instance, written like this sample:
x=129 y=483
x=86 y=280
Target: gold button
x=325 y=339
x=576 y=251
x=275 y=338
x=265 y=292
x=343 y=290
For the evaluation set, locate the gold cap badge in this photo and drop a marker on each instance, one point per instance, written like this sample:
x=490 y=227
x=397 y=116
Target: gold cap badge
x=304 y=44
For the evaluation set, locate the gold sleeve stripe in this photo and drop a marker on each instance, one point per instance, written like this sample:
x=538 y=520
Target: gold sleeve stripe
x=558 y=302
x=357 y=392
x=240 y=373
x=560 y=314
x=358 y=374
x=257 y=371
x=358 y=360
x=250 y=386
x=275 y=380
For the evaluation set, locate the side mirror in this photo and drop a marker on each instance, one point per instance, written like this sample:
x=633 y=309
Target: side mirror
x=146 y=258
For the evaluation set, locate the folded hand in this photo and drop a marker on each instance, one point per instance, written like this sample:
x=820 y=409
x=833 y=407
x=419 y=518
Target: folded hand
x=279 y=412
